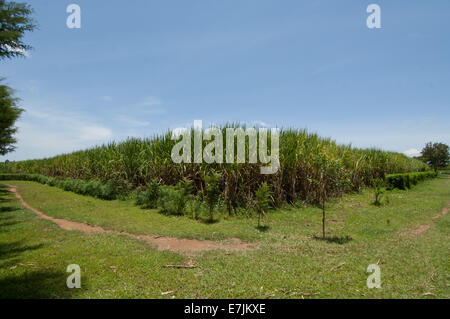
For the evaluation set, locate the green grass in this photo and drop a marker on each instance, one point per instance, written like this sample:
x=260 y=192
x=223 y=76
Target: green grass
x=288 y=263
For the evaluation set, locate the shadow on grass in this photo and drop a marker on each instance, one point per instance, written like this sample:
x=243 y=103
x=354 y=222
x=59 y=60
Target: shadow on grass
x=18 y=278
x=36 y=284
x=263 y=228
x=6 y=219
x=21 y=280
x=6 y=224
x=208 y=221
x=335 y=239
x=8 y=209
x=10 y=250
x=4 y=190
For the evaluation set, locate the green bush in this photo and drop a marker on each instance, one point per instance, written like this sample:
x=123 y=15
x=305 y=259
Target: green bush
x=96 y=189
x=52 y=181
x=91 y=188
x=212 y=192
x=378 y=186
x=172 y=200
x=14 y=177
x=68 y=184
x=107 y=191
x=195 y=205
x=407 y=180
x=262 y=195
x=149 y=197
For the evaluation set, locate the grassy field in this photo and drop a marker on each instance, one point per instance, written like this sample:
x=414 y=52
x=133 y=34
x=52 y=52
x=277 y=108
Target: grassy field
x=288 y=261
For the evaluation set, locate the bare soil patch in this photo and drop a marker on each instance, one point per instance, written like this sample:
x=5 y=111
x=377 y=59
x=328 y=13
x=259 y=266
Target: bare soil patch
x=423 y=228
x=443 y=212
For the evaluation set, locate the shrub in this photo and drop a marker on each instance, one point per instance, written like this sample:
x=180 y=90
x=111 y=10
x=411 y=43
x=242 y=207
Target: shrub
x=172 y=200
x=52 y=181
x=186 y=185
x=407 y=180
x=212 y=192
x=262 y=196
x=96 y=189
x=68 y=184
x=79 y=187
x=107 y=191
x=195 y=204
x=149 y=197
x=378 y=185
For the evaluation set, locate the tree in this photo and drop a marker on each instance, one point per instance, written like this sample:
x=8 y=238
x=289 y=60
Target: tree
x=436 y=155
x=212 y=191
x=9 y=113
x=15 y=21
x=262 y=195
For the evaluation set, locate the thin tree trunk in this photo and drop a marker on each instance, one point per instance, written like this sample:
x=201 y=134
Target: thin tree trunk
x=323 y=219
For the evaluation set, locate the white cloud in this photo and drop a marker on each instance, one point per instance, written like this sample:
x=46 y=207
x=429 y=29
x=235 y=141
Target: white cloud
x=95 y=133
x=412 y=152
x=261 y=124
x=106 y=98
x=150 y=101
x=47 y=131
x=132 y=121
x=149 y=106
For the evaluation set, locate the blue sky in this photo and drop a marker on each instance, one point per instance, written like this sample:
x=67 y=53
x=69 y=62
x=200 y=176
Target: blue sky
x=137 y=68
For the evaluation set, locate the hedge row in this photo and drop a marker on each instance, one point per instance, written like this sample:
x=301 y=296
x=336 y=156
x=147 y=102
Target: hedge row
x=407 y=180
x=91 y=188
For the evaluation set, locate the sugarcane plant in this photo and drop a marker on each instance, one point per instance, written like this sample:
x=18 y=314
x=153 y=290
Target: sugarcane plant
x=378 y=185
x=131 y=164
x=263 y=197
x=212 y=192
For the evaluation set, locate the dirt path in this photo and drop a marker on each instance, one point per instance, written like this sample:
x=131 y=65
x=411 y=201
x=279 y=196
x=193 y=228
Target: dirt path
x=423 y=228
x=159 y=242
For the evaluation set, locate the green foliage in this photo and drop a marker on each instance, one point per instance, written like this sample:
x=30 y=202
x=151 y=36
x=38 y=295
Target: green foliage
x=273 y=262
x=310 y=166
x=107 y=191
x=9 y=113
x=436 y=155
x=407 y=180
x=91 y=188
x=378 y=185
x=186 y=185
x=212 y=192
x=195 y=204
x=149 y=197
x=172 y=200
x=15 y=21
x=262 y=196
